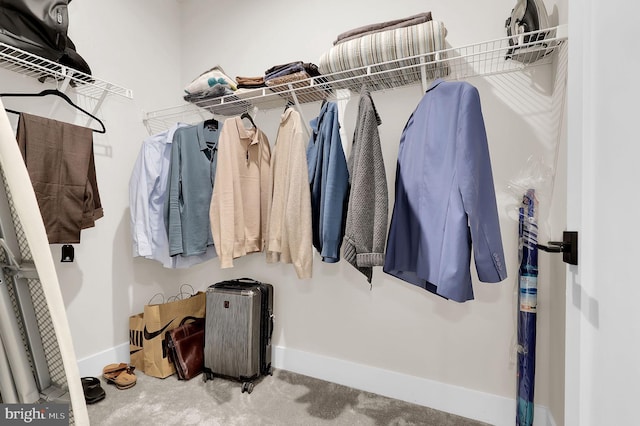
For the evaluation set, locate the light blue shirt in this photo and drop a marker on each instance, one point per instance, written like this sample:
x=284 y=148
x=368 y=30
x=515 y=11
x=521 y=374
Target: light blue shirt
x=192 y=172
x=147 y=194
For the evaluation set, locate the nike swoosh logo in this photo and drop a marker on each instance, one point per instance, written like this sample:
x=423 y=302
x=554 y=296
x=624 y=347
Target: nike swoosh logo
x=133 y=352
x=151 y=335
x=192 y=319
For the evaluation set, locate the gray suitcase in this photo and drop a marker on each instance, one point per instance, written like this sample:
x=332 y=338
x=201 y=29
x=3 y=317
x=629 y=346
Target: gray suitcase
x=238 y=329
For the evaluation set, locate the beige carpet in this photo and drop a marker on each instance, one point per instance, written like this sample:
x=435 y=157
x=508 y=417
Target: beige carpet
x=282 y=399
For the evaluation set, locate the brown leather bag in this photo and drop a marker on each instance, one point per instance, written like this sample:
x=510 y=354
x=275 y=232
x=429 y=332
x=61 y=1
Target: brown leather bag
x=185 y=347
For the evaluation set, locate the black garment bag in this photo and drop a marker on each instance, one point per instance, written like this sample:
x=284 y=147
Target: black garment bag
x=40 y=27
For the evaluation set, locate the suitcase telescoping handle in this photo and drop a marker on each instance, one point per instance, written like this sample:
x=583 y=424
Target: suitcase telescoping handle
x=245 y=280
x=237 y=283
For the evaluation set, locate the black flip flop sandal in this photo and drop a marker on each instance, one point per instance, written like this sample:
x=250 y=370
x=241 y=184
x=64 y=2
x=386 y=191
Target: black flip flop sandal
x=93 y=392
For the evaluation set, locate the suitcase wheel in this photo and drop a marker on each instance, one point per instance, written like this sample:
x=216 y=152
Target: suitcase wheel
x=247 y=387
x=207 y=376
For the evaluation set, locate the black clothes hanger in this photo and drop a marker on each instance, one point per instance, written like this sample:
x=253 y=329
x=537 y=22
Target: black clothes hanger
x=60 y=94
x=211 y=122
x=248 y=116
x=290 y=103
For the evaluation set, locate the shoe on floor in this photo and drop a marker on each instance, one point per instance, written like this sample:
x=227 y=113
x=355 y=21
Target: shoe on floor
x=126 y=379
x=120 y=375
x=93 y=392
x=111 y=371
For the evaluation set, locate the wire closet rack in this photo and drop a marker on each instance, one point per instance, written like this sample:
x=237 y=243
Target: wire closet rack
x=503 y=55
x=22 y=62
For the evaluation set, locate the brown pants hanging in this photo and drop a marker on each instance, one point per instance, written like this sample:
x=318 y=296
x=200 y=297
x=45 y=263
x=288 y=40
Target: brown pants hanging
x=59 y=159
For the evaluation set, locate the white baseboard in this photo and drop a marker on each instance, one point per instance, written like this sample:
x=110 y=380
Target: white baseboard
x=91 y=366
x=482 y=406
x=489 y=408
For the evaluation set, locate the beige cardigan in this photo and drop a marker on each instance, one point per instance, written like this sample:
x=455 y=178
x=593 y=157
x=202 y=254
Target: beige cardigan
x=241 y=198
x=290 y=238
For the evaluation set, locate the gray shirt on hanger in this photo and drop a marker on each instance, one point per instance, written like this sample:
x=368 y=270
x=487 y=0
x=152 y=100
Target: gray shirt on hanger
x=191 y=178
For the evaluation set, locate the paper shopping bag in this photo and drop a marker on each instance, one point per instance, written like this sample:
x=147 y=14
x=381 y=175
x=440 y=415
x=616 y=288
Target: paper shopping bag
x=136 y=333
x=158 y=319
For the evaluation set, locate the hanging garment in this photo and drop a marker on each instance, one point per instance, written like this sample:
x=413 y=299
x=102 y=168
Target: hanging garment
x=147 y=195
x=59 y=158
x=329 y=180
x=192 y=171
x=241 y=198
x=367 y=214
x=445 y=198
x=290 y=219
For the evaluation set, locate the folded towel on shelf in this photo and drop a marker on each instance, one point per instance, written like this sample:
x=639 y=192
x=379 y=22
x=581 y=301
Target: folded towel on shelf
x=250 y=82
x=208 y=79
x=349 y=60
x=383 y=26
x=250 y=86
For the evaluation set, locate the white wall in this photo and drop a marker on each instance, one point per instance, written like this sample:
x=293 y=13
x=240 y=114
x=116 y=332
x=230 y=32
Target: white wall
x=602 y=321
x=396 y=326
x=135 y=45
x=156 y=47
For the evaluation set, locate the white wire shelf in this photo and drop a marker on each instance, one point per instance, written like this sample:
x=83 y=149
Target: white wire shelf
x=42 y=69
x=507 y=54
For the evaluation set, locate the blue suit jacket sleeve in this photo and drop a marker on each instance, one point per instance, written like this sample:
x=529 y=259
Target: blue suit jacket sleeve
x=477 y=190
x=335 y=194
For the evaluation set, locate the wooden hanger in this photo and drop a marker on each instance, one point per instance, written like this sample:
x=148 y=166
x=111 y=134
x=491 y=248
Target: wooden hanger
x=60 y=94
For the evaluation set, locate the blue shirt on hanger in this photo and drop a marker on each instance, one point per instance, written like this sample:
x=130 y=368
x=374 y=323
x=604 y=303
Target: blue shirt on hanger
x=329 y=180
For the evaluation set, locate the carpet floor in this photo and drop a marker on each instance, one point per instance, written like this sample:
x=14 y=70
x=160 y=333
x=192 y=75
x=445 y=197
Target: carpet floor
x=285 y=398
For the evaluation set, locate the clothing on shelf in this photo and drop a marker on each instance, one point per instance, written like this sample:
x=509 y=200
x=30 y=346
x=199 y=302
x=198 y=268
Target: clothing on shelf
x=250 y=82
x=60 y=162
x=329 y=180
x=213 y=92
x=445 y=197
x=382 y=26
x=291 y=68
x=350 y=59
x=208 y=79
x=241 y=198
x=194 y=154
x=299 y=80
x=281 y=70
x=289 y=231
x=367 y=214
x=147 y=195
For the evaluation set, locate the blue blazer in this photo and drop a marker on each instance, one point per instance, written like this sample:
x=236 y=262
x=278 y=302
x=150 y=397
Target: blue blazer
x=329 y=181
x=445 y=198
